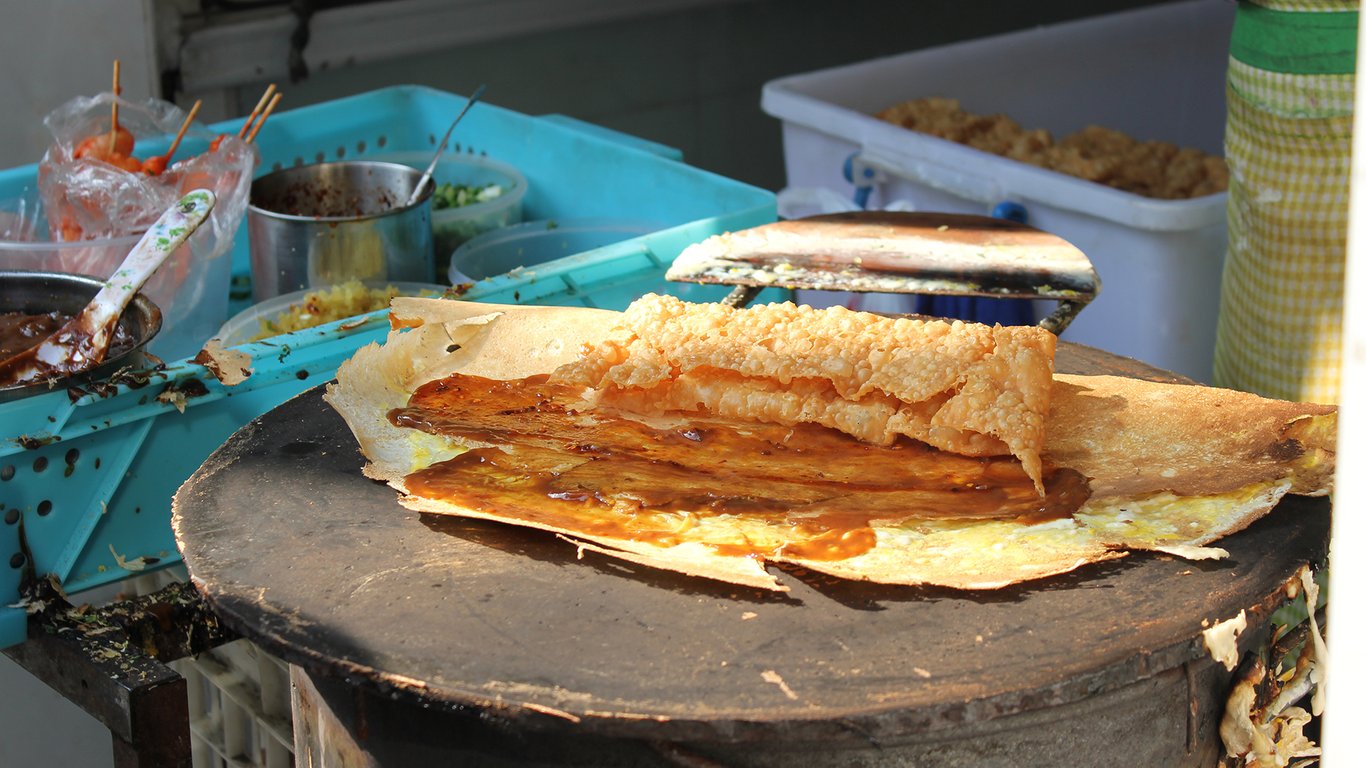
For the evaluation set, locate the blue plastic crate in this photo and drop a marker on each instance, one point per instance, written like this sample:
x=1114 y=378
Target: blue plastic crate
x=88 y=479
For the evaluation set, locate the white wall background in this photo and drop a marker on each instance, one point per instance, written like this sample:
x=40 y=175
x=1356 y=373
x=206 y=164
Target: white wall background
x=52 y=50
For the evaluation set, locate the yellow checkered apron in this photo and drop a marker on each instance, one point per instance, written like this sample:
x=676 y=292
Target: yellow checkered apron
x=1287 y=142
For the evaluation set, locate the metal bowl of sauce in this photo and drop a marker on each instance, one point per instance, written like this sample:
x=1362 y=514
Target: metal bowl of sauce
x=34 y=304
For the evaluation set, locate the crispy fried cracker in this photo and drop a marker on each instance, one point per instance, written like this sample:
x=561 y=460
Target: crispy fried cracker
x=962 y=387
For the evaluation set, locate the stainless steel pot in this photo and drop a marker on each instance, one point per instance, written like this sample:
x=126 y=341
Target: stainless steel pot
x=35 y=293
x=313 y=226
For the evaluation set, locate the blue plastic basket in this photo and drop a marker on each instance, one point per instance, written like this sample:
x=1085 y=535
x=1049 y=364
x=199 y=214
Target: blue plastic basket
x=87 y=480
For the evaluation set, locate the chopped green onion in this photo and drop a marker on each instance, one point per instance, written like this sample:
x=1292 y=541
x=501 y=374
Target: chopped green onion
x=450 y=195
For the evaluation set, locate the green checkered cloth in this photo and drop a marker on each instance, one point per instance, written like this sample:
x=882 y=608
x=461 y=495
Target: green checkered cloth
x=1288 y=141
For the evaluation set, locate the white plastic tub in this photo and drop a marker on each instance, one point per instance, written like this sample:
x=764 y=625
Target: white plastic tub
x=535 y=242
x=251 y=323
x=1154 y=73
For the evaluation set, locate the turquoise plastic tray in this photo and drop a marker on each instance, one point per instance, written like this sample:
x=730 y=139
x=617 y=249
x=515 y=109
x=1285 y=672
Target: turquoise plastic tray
x=88 y=481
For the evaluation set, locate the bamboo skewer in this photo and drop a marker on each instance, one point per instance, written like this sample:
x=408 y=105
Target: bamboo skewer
x=185 y=126
x=269 y=108
x=114 y=111
x=155 y=166
x=265 y=98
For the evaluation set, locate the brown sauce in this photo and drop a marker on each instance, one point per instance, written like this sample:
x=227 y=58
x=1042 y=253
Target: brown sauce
x=20 y=331
x=816 y=491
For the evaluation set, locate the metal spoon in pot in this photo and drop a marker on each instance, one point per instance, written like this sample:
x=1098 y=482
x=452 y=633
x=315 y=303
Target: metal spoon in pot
x=427 y=174
x=83 y=341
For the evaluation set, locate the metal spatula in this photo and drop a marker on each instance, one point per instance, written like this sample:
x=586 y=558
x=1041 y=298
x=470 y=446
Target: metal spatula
x=897 y=252
x=431 y=167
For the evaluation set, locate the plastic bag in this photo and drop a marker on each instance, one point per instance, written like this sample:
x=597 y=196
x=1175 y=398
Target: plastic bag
x=90 y=199
x=100 y=209
x=20 y=218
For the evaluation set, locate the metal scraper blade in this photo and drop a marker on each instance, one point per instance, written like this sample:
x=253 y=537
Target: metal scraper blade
x=897 y=252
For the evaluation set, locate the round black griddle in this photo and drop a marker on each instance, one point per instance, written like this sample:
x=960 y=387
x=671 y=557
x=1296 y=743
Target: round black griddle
x=319 y=565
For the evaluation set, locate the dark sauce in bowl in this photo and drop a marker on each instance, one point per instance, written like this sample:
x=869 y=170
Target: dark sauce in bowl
x=20 y=331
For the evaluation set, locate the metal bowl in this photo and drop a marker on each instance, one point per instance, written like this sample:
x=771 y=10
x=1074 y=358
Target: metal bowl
x=314 y=226
x=40 y=292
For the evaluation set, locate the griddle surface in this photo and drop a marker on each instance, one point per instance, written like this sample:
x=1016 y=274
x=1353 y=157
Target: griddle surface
x=319 y=565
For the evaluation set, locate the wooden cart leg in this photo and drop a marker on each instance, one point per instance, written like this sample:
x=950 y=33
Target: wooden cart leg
x=140 y=700
x=108 y=661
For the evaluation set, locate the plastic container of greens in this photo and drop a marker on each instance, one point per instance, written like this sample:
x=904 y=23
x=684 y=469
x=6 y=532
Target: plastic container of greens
x=475 y=174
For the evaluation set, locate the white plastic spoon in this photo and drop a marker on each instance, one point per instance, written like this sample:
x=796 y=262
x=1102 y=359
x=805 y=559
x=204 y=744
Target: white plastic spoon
x=83 y=342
